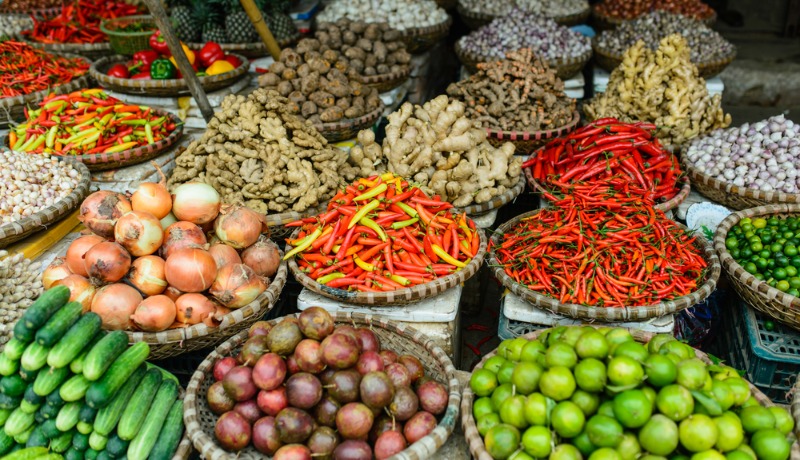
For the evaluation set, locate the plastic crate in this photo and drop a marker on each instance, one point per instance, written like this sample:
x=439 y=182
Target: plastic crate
x=770 y=359
x=509 y=328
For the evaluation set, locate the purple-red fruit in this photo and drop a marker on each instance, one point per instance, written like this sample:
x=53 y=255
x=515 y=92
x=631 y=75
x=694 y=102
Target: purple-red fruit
x=326 y=375
x=354 y=420
x=398 y=374
x=259 y=328
x=383 y=424
x=388 y=356
x=218 y=400
x=272 y=401
x=232 y=431
x=316 y=323
x=293 y=452
x=369 y=361
x=284 y=337
x=376 y=390
x=352 y=450
x=388 y=444
x=433 y=397
x=222 y=367
x=238 y=383
x=294 y=425
x=303 y=390
x=291 y=365
x=269 y=371
x=325 y=411
x=253 y=349
x=419 y=426
x=309 y=356
x=249 y=410
x=413 y=365
x=322 y=442
x=368 y=340
x=340 y=351
x=404 y=404
x=265 y=436
x=344 y=386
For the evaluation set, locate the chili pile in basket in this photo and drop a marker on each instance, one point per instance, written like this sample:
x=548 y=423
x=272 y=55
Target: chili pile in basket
x=79 y=22
x=383 y=234
x=25 y=69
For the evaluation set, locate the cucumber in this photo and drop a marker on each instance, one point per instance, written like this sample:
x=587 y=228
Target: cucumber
x=28 y=407
x=87 y=414
x=8 y=366
x=34 y=357
x=85 y=428
x=165 y=374
x=38 y=417
x=62 y=443
x=49 y=380
x=108 y=416
x=171 y=434
x=6 y=443
x=80 y=441
x=75 y=388
x=116 y=447
x=49 y=412
x=51 y=456
x=144 y=441
x=28 y=376
x=90 y=454
x=68 y=416
x=76 y=365
x=102 y=391
x=23 y=437
x=27 y=454
x=134 y=413
x=14 y=349
x=44 y=307
x=73 y=454
x=18 y=422
x=104 y=455
x=9 y=402
x=76 y=338
x=58 y=324
x=13 y=385
x=104 y=353
x=4 y=413
x=37 y=438
x=49 y=429
x=97 y=441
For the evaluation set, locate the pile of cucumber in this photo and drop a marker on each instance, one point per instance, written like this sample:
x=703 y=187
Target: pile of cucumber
x=82 y=393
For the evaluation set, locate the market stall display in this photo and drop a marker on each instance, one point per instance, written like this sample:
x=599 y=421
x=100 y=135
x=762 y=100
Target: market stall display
x=661 y=87
x=709 y=51
x=129 y=34
x=751 y=165
x=20 y=285
x=563 y=49
x=622 y=391
x=477 y=13
x=609 y=14
x=374 y=365
x=13 y=24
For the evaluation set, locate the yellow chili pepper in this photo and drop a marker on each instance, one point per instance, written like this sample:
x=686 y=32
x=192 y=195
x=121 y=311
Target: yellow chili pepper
x=366 y=209
x=371 y=224
x=329 y=277
x=375 y=191
x=387 y=176
x=400 y=280
x=447 y=257
x=303 y=245
x=366 y=266
x=407 y=209
x=120 y=147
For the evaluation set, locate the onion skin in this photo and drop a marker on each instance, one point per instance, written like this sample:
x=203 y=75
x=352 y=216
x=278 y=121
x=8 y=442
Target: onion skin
x=191 y=269
x=139 y=232
x=155 y=314
x=236 y=285
x=80 y=290
x=147 y=275
x=264 y=257
x=101 y=210
x=107 y=262
x=182 y=235
x=224 y=255
x=173 y=293
x=193 y=309
x=168 y=220
x=152 y=198
x=77 y=251
x=239 y=226
x=196 y=202
x=56 y=271
x=115 y=304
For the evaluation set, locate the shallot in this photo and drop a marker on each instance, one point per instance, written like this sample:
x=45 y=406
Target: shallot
x=100 y=211
x=139 y=232
x=115 y=304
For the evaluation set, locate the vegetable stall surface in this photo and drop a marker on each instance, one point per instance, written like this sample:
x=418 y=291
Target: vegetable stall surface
x=605 y=249
x=382 y=234
x=607 y=151
x=86 y=122
x=547 y=8
x=79 y=22
x=20 y=285
x=25 y=69
x=399 y=14
x=630 y=9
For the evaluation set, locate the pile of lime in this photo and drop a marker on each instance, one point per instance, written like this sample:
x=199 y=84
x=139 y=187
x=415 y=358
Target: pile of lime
x=580 y=392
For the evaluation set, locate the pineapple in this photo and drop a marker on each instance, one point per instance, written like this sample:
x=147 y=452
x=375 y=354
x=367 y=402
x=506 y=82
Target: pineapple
x=280 y=23
x=213 y=29
x=238 y=27
x=184 y=22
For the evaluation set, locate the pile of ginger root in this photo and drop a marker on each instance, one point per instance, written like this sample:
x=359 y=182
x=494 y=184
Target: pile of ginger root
x=437 y=146
x=256 y=152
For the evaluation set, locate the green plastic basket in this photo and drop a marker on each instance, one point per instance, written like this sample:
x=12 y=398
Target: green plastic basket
x=128 y=43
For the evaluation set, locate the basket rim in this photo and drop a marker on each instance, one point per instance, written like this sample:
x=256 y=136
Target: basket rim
x=723 y=61
x=252 y=46
x=614 y=314
x=59 y=47
x=497 y=201
x=387 y=77
x=412 y=32
x=514 y=135
x=327 y=129
x=711 y=19
x=77 y=82
x=463 y=10
x=427 y=445
x=135 y=17
x=464 y=55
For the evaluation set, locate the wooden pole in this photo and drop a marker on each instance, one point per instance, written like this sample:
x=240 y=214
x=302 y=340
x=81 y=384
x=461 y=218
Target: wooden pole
x=160 y=14
x=261 y=27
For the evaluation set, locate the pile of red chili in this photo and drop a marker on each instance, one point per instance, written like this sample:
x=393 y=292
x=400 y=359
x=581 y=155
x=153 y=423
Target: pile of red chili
x=24 y=69
x=603 y=249
x=383 y=234
x=608 y=149
x=79 y=22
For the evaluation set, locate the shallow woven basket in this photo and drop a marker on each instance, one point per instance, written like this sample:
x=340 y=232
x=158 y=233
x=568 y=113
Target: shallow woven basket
x=476 y=445
x=174 y=342
x=13 y=108
x=400 y=338
x=184 y=451
x=421 y=39
x=758 y=294
x=348 y=129
x=527 y=142
x=397 y=297
x=14 y=231
x=565 y=67
x=611 y=314
x=602 y=22
x=498 y=201
x=610 y=61
x=277 y=222
x=250 y=50
x=388 y=81
x=90 y=50
x=172 y=87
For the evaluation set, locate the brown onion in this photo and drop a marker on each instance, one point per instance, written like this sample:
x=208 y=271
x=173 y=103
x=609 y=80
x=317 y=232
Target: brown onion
x=196 y=202
x=147 y=275
x=57 y=270
x=224 y=255
x=239 y=226
x=168 y=220
x=153 y=198
x=80 y=290
x=115 y=304
x=236 y=285
x=193 y=308
x=155 y=314
x=181 y=235
x=263 y=257
x=139 y=232
x=107 y=262
x=191 y=269
x=100 y=211
x=77 y=251
x=215 y=319
x=173 y=293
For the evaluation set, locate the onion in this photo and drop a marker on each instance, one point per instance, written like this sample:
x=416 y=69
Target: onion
x=139 y=232
x=56 y=271
x=263 y=257
x=168 y=220
x=155 y=314
x=239 y=226
x=215 y=319
x=147 y=275
x=237 y=285
x=173 y=293
x=224 y=255
x=153 y=198
x=193 y=308
x=100 y=211
x=77 y=251
x=191 y=269
x=107 y=262
x=80 y=290
x=196 y=202
x=115 y=304
x=182 y=235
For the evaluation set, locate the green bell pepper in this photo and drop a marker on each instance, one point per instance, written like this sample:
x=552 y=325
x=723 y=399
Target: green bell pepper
x=162 y=69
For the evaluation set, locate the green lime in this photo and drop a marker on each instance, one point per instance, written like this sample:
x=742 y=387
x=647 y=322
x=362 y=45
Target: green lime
x=678 y=348
x=592 y=345
x=572 y=334
x=482 y=406
x=623 y=371
x=632 y=408
x=722 y=393
x=606 y=408
x=629 y=448
x=759 y=222
x=616 y=336
x=731 y=243
x=605 y=453
x=567 y=419
x=590 y=375
x=659 y=339
x=502 y=349
x=487 y=422
x=659 y=435
x=770 y=445
x=731 y=433
x=553 y=335
x=660 y=370
x=500 y=394
x=526 y=377
x=604 y=431
x=512 y=412
x=782 y=285
x=650 y=393
x=494 y=363
x=692 y=373
x=532 y=351
x=698 y=433
x=751 y=401
x=505 y=372
x=783 y=421
x=740 y=389
x=747 y=450
x=557 y=383
x=675 y=402
x=537 y=409
x=588 y=402
x=738 y=455
x=520 y=455
x=755 y=418
x=483 y=382
x=565 y=452
x=634 y=350
x=708 y=455
x=583 y=444
x=501 y=441
x=561 y=354
x=515 y=348
x=536 y=441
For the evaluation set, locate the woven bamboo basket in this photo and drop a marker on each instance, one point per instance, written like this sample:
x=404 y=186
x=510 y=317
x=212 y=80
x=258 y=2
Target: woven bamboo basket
x=401 y=339
x=348 y=129
x=477 y=447
x=250 y=50
x=277 y=222
x=564 y=67
x=610 y=61
x=602 y=22
x=475 y=20
x=477 y=209
x=13 y=108
x=615 y=314
x=89 y=50
x=174 y=342
x=397 y=297
x=421 y=39
x=758 y=294
x=184 y=451
x=389 y=81
x=526 y=143
x=172 y=87
x=14 y=231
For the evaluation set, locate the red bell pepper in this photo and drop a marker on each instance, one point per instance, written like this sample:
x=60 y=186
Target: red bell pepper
x=159 y=44
x=235 y=61
x=210 y=53
x=143 y=59
x=119 y=71
x=142 y=76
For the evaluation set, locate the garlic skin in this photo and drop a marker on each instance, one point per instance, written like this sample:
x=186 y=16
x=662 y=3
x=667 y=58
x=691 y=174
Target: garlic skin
x=400 y=15
x=20 y=285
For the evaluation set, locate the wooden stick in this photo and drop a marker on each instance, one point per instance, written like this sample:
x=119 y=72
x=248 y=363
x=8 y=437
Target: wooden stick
x=160 y=14
x=261 y=27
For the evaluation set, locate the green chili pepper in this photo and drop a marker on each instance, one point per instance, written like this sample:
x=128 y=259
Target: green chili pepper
x=405 y=223
x=162 y=69
x=371 y=224
x=362 y=212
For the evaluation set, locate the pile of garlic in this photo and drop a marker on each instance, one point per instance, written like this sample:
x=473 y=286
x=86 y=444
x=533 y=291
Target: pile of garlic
x=20 y=285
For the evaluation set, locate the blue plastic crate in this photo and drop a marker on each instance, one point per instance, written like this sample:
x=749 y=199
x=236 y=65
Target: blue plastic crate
x=510 y=329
